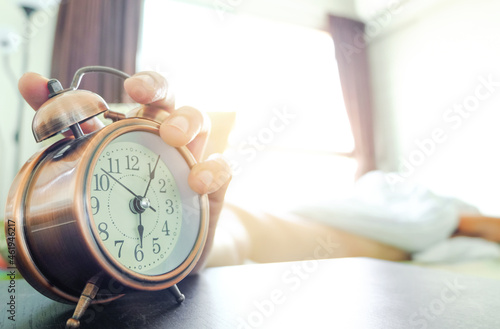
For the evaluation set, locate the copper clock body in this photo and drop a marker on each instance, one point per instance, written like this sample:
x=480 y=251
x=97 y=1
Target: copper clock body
x=56 y=246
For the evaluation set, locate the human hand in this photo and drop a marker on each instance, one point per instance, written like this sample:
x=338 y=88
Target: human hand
x=185 y=126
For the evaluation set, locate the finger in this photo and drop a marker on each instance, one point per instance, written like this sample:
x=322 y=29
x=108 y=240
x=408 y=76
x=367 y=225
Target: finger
x=150 y=88
x=186 y=126
x=216 y=203
x=210 y=176
x=33 y=88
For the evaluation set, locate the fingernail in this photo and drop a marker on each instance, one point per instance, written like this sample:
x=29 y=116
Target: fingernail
x=180 y=122
x=146 y=79
x=206 y=178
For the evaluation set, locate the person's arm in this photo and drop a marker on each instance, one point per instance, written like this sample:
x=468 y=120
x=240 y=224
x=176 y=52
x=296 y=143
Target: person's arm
x=185 y=126
x=263 y=238
x=479 y=226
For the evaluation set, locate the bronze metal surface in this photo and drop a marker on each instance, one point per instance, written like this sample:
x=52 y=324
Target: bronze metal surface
x=54 y=116
x=56 y=249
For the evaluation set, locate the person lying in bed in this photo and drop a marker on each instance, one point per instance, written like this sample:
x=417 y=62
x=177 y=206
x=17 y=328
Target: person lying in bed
x=377 y=221
x=243 y=235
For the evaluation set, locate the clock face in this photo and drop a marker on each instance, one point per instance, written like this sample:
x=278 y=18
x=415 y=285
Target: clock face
x=137 y=205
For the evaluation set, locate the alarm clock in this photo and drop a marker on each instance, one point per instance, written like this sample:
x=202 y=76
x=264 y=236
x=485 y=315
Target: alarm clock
x=109 y=208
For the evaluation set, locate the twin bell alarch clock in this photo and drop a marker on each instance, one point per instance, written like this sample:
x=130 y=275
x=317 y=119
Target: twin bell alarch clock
x=106 y=208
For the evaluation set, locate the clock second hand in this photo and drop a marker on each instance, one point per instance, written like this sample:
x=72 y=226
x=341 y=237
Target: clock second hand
x=136 y=196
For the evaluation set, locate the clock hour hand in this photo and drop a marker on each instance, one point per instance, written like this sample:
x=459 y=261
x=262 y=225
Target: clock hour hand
x=152 y=175
x=120 y=183
x=140 y=228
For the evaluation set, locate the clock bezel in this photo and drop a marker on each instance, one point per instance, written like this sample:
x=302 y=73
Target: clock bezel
x=100 y=253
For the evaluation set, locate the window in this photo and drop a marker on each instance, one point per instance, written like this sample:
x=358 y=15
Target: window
x=282 y=82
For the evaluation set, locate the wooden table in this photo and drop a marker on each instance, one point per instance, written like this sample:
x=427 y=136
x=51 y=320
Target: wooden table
x=341 y=293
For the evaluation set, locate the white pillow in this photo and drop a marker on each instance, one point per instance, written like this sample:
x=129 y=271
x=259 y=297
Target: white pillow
x=406 y=216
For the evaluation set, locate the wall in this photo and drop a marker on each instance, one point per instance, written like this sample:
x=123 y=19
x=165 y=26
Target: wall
x=40 y=35
x=312 y=14
x=436 y=77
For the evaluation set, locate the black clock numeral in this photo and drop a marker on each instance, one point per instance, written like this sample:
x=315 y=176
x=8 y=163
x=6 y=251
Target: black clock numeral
x=120 y=242
x=114 y=166
x=94 y=204
x=101 y=182
x=103 y=231
x=163 y=184
x=165 y=228
x=132 y=162
x=138 y=253
x=170 y=206
x=156 y=246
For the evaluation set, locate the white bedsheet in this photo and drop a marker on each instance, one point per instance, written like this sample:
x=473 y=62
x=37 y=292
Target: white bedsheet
x=407 y=216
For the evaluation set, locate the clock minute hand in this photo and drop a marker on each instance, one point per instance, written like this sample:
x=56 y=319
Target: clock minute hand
x=152 y=175
x=116 y=180
x=135 y=195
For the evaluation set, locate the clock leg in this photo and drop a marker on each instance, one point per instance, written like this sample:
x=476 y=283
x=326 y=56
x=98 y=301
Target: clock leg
x=88 y=295
x=179 y=297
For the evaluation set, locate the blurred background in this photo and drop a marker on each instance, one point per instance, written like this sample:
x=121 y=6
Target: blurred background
x=320 y=91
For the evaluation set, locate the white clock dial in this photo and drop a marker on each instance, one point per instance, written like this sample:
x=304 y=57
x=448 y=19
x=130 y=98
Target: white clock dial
x=136 y=206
